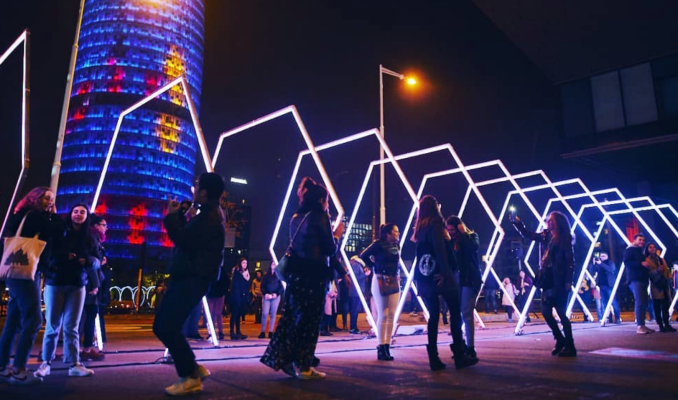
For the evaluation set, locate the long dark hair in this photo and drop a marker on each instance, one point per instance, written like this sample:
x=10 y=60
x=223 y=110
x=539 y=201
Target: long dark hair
x=563 y=233
x=32 y=198
x=385 y=230
x=85 y=225
x=427 y=214
x=647 y=253
x=310 y=193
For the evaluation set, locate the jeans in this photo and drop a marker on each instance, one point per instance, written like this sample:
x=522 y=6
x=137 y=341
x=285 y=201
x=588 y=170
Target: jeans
x=63 y=304
x=355 y=306
x=639 y=290
x=24 y=318
x=269 y=308
x=490 y=297
x=605 y=295
x=183 y=295
x=468 y=302
x=560 y=304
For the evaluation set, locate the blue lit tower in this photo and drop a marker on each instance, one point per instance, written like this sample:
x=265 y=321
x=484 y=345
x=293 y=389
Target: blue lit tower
x=127 y=50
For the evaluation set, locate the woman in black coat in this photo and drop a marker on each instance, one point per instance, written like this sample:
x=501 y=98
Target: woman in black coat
x=240 y=286
x=293 y=344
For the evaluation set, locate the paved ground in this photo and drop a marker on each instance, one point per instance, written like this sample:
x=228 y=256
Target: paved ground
x=511 y=367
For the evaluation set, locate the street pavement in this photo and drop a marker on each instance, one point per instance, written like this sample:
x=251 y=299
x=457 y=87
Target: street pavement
x=613 y=362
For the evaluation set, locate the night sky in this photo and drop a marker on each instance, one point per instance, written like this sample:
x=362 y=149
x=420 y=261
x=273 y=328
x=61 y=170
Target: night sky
x=477 y=90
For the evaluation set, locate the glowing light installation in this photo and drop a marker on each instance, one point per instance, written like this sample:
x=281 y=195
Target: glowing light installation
x=178 y=82
x=607 y=216
x=22 y=39
x=336 y=143
x=127 y=50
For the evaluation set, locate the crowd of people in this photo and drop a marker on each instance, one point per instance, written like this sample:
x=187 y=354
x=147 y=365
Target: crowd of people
x=312 y=286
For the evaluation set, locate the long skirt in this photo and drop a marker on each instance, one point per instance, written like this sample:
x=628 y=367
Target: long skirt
x=295 y=339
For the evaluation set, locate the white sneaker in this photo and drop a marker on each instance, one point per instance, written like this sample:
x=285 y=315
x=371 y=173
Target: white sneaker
x=185 y=386
x=43 y=370
x=650 y=330
x=643 y=330
x=6 y=374
x=79 y=370
x=311 y=374
x=25 y=377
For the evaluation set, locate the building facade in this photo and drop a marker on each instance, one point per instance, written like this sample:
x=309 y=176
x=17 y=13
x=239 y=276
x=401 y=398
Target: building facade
x=127 y=50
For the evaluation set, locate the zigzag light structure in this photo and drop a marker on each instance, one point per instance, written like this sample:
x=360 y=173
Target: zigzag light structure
x=25 y=160
x=497 y=237
x=470 y=190
x=311 y=150
x=330 y=145
x=205 y=155
x=607 y=216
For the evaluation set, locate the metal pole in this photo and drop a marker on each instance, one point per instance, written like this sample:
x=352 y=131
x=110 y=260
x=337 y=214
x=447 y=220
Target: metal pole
x=56 y=167
x=382 y=186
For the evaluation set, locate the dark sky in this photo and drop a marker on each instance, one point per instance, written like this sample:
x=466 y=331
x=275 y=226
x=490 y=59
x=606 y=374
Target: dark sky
x=478 y=90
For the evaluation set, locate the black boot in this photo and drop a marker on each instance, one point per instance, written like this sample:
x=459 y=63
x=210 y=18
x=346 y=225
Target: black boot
x=558 y=347
x=387 y=347
x=433 y=360
x=471 y=352
x=461 y=359
x=569 y=350
x=381 y=353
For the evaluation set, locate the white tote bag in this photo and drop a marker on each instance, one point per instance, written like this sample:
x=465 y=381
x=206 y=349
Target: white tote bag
x=21 y=255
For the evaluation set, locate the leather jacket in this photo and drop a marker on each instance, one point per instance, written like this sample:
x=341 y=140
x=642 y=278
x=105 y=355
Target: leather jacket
x=314 y=240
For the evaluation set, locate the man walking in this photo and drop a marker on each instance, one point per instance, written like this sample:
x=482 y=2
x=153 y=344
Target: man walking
x=197 y=257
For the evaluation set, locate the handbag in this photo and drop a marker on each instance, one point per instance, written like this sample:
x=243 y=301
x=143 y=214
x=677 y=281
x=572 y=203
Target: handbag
x=658 y=280
x=21 y=255
x=388 y=285
x=281 y=270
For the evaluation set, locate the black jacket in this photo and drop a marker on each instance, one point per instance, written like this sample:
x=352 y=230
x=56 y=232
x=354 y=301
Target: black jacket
x=434 y=258
x=46 y=224
x=386 y=256
x=219 y=287
x=633 y=260
x=240 y=287
x=314 y=243
x=607 y=273
x=271 y=284
x=198 y=244
x=466 y=255
x=65 y=272
x=559 y=257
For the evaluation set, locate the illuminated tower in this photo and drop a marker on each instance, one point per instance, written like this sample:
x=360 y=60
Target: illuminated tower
x=127 y=50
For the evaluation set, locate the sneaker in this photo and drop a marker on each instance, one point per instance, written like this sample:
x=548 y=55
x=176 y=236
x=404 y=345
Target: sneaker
x=79 y=370
x=311 y=374
x=5 y=374
x=643 y=330
x=25 y=377
x=203 y=373
x=43 y=370
x=185 y=386
x=354 y=331
x=262 y=335
x=669 y=328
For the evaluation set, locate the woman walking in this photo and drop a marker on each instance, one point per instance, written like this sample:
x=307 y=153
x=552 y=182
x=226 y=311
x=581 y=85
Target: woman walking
x=74 y=263
x=434 y=274
x=465 y=243
x=24 y=316
x=239 y=289
x=312 y=244
x=659 y=287
x=555 y=276
x=272 y=289
x=382 y=258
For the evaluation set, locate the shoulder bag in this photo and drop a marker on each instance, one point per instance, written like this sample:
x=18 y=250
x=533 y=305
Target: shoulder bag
x=21 y=255
x=281 y=269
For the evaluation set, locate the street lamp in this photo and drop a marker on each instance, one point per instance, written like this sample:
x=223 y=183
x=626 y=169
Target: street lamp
x=382 y=188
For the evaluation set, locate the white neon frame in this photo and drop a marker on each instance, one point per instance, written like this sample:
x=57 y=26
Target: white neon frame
x=309 y=143
x=348 y=139
x=607 y=216
x=498 y=236
x=205 y=155
x=25 y=160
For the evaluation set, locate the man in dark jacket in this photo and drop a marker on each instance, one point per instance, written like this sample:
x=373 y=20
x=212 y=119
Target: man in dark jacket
x=639 y=278
x=198 y=254
x=606 y=276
